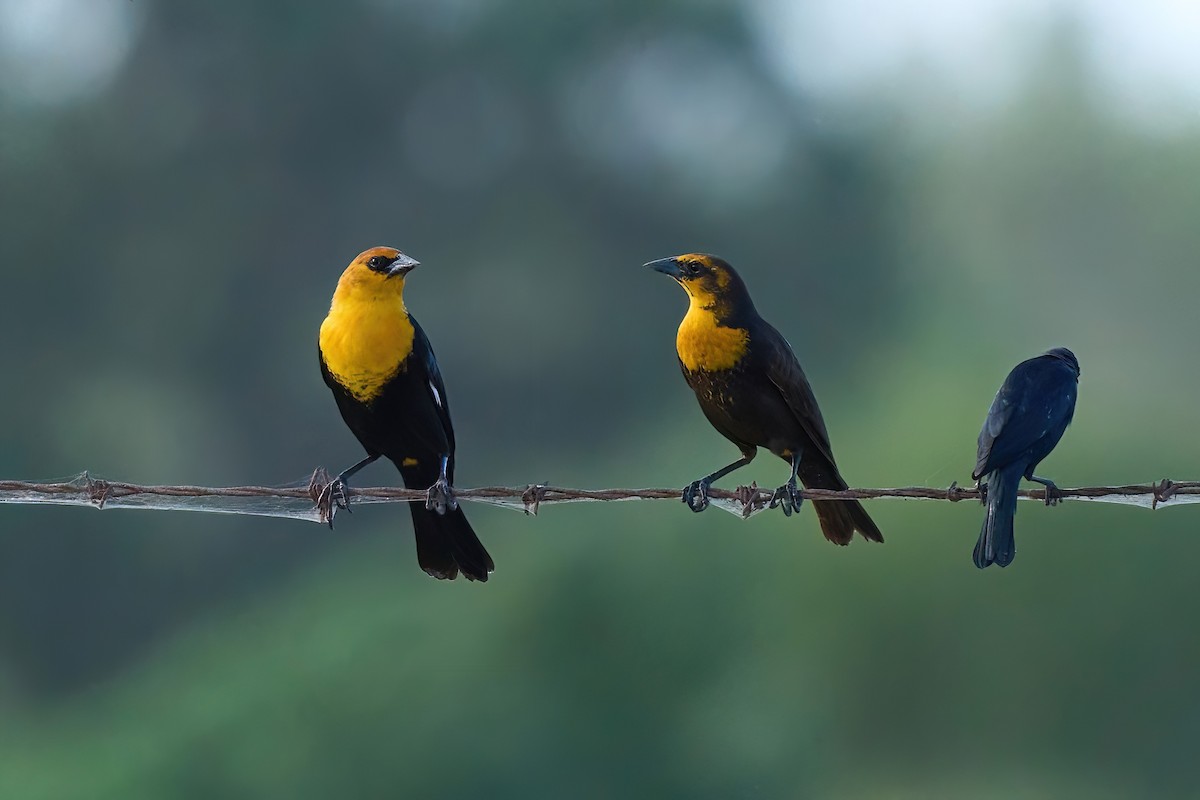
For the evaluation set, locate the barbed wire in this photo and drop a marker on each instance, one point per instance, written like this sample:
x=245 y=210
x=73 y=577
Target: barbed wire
x=300 y=500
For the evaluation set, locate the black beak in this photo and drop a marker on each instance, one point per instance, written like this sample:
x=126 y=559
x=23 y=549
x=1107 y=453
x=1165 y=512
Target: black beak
x=667 y=266
x=402 y=265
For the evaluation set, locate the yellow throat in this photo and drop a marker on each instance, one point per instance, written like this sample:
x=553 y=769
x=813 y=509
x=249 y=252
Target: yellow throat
x=704 y=344
x=367 y=336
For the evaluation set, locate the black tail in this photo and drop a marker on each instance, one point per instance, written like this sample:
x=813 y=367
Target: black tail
x=996 y=544
x=446 y=545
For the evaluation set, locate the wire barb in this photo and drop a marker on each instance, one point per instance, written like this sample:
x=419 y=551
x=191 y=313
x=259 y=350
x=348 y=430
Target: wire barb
x=1163 y=492
x=532 y=498
x=752 y=499
x=97 y=489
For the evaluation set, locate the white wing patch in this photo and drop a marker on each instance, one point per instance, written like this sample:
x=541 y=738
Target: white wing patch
x=437 y=397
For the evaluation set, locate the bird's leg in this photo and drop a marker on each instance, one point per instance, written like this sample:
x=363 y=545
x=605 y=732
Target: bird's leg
x=982 y=487
x=440 y=496
x=1053 y=493
x=788 y=496
x=695 y=494
x=335 y=495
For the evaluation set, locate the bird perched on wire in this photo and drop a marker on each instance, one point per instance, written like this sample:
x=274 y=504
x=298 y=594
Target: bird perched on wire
x=381 y=369
x=753 y=391
x=1028 y=417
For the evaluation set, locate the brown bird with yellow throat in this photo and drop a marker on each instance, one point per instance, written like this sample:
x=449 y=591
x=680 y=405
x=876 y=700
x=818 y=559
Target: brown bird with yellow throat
x=753 y=391
x=381 y=369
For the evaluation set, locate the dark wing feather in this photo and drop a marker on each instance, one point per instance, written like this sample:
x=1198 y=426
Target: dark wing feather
x=993 y=425
x=357 y=416
x=1035 y=403
x=435 y=388
x=409 y=418
x=783 y=370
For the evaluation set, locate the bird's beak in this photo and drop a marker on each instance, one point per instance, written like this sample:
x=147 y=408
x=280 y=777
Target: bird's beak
x=402 y=265
x=667 y=266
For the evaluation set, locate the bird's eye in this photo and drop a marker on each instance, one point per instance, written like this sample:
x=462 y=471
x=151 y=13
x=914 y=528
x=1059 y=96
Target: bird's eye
x=377 y=262
x=692 y=268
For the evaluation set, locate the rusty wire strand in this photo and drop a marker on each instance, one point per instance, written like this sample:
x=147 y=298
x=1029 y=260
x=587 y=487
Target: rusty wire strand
x=301 y=501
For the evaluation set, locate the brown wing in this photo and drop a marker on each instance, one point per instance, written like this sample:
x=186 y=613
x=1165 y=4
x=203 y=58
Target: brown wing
x=783 y=370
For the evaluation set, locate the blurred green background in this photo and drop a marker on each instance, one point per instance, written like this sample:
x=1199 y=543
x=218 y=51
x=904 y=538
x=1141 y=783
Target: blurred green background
x=918 y=199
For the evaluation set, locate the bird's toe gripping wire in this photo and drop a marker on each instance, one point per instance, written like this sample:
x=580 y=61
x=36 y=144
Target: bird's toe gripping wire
x=695 y=495
x=1054 y=495
x=329 y=494
x=440 y=497
x=788 y=496
x=335 y=494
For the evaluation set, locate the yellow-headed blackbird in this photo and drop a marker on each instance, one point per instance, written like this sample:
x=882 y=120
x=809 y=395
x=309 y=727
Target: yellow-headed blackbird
x=754 y=393
x=376 y=359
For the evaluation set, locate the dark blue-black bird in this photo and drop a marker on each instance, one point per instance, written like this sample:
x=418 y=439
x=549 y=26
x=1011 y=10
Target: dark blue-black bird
x=1029 y=415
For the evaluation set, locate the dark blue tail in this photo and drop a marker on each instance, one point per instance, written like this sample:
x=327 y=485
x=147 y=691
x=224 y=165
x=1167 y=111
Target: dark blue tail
x=996 y=544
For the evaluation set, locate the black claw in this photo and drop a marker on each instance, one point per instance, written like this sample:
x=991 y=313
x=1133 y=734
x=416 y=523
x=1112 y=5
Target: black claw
x=1053 y=494
x=695 y=495
x=787 y=497
x=440 y=497
x=341 y=496
x=983 y=489
x=334 y=497
x=779 y=500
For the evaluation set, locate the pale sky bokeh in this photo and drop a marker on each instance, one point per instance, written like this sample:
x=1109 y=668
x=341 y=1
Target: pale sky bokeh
x=55 y=52
x=1144 y=56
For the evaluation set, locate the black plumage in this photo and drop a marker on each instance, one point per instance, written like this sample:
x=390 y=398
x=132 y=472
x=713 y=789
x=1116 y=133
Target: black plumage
x=401 y=414
x=1026 y=420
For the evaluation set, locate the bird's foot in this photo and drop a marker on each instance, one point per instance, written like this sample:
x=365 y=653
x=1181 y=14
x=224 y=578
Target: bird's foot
x=1054 y=495
x=695 y=495
x=982 y=488
x=787 y=497
x=440 y=497
x=335 y=496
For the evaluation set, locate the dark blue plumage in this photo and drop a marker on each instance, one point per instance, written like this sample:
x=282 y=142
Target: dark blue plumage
x=1029 y=415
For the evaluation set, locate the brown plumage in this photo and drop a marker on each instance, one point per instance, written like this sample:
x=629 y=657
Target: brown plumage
x=751 y=388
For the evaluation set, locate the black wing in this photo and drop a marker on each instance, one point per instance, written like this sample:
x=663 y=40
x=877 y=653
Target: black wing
x=1036 y=401
x=423 y=354
x=1004 y=404
x=410 y=418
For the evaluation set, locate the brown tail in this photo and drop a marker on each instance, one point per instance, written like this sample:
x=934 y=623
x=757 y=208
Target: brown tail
x=446 y=545
x=841 y=518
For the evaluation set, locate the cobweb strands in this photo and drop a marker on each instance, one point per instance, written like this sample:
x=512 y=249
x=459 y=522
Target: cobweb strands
x=299 y=500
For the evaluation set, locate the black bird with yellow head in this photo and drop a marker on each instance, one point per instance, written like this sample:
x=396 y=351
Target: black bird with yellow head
x=381 y=369
x=751 y=388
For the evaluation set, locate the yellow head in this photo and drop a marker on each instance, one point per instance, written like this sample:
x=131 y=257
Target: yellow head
x=375 y=274
x=367 y=335
x=710 y=282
